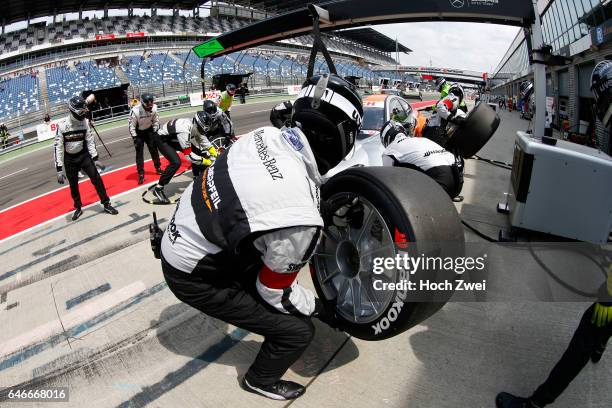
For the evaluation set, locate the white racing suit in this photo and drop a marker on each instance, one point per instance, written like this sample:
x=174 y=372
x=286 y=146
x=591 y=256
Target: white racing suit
x=239 y=236
x=444 y=122
x=426 y=156
x=142 y=126
x=182 y=135
x=74 y=150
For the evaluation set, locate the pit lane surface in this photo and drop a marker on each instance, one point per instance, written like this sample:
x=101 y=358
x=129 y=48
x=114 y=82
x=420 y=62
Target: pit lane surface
x=84 y=305
x=33 y=174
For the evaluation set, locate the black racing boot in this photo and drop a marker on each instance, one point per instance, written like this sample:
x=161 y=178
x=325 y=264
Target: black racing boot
x=158 y=170
x=77 y=213
x=140 y=178
x=108 y=208
x=598 y=353
x=158 y=192
x=506 y=400
x=280 y=390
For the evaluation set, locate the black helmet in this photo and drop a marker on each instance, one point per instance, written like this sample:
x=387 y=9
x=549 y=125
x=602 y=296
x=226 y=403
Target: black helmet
x=210 y=107
x=525 y=89
x=440 y=82
x=280 y=115
x=601 y=86
x=230 y=88
x=147 y=100
x=78 y=107
x=456 y=90
x=207 y=122
x=328 y=110
x=389 y=132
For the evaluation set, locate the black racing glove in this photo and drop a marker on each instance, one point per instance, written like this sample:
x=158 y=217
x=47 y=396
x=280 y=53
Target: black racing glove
x=330 y=319
x=458 y=120
x=155 y=237
x=343 y=211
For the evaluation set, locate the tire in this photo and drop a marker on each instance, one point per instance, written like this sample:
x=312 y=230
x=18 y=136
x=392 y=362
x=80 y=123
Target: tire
x=481 y=123
x=397 y=202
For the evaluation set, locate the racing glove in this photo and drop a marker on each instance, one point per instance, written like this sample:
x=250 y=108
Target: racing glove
x=602 y=312
x=60 y=177
x=343 y=211
x=602 y=315
x=134 y=141
x=458 y=120
x=213 y=152
x=330 y=319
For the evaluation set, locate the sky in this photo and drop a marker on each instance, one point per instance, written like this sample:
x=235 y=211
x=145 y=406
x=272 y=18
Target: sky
x=469 y=46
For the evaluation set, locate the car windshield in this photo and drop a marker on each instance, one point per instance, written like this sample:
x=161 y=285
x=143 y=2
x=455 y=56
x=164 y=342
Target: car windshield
x=373 y=118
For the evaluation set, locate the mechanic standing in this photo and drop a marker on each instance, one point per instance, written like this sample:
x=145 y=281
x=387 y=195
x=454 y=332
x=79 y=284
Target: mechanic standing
x=143 y=124
x=4 y=134
x=444 y=87
x=226 y=98
x=595 y=328
x=243 y=230
x=75 y=150
x=189 y=137
x=449 y=107
x=422 y=154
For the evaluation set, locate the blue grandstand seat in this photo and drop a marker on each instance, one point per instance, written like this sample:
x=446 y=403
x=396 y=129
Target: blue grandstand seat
x=19 y=95
x=62 y=82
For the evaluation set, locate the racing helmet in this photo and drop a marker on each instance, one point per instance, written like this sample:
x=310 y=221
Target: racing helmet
x=440 y=82
x=231 y=89
x=456 y=90
x=209 y=119
x=77 y=107
x=280 y=115
x=329 y=111
x=601 y=86
x=147 y=100
x=389 y=132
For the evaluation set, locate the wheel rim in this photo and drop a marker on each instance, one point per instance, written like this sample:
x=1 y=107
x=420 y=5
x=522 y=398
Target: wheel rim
x=221 y=143
x=344 y=266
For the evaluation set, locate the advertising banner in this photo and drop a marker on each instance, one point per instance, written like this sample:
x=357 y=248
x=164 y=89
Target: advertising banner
x=46 y=131
x=197 y=99
x=105 y=36
x=293 y=89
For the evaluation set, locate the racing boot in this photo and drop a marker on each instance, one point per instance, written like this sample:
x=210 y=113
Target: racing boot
x=158 y=192
x=76 y=214
x=108 y=208
x=140 y=178
x=280 y=390
x=506 y=400
x=158 y=170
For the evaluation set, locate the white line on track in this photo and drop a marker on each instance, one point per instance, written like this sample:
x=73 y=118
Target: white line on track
x=13 y=173
x=259 y=111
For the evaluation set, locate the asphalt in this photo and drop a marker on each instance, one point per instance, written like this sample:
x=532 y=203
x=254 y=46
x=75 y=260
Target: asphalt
x=32 y=174
x=84 y=305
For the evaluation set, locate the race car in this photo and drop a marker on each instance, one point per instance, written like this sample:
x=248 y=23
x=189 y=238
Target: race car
x=377 y=110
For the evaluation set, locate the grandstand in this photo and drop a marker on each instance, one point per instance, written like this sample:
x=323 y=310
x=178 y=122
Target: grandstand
x=44 y=63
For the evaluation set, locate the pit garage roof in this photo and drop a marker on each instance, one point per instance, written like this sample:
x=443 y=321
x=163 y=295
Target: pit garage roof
x=373 y=38
x=19 y=10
